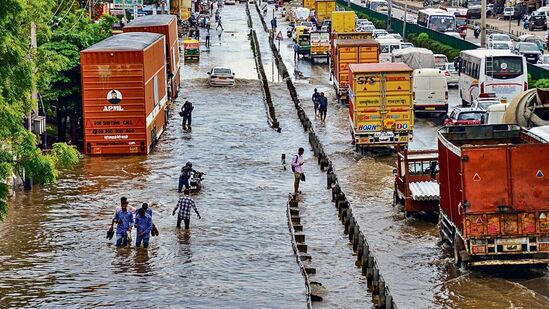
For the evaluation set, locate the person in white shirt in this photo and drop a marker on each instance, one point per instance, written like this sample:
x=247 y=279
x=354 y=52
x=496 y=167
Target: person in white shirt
x=297 y=168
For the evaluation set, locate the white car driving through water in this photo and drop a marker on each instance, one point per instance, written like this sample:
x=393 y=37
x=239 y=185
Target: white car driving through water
x=221 y=76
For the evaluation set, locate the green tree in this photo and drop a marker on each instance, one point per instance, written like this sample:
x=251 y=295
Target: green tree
x=54 y=71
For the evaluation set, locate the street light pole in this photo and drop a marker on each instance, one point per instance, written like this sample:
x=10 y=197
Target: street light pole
x=483 y=24
x=404 y=21
x=389 y=17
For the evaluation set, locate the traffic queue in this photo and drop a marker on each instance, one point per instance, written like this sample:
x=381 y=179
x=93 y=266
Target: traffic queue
x=487 y=180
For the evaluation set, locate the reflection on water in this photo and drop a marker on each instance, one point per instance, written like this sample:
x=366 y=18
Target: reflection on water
x=54 y=252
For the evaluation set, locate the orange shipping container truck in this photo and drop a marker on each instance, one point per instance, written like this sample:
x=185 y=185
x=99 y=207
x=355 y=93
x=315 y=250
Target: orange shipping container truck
x=124 y=93
x=165 y=25
x=494 y=197
x=350 y=52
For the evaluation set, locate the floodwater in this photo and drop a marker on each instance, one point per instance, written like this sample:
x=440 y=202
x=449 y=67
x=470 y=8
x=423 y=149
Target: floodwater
x=54 y=252
x=418 y=270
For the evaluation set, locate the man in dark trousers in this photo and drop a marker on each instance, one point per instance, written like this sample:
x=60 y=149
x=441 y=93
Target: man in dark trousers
x=316 y=101
x=186 y=112
x=143 y=224
x=185 y=204
x=185 y=176
x=208 y=38
x=323 y=106
x=219 y=24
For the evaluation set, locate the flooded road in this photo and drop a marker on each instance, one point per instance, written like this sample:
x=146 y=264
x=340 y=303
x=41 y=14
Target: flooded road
x=54 y=252
x=418 y=270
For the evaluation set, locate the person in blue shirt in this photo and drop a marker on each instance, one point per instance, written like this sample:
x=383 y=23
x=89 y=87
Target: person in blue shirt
x=143 y=224
x=323 y=106
x=124 y=223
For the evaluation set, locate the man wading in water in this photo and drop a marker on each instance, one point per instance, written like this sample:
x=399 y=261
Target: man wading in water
x=124 y=221
x=297 y=168
x=184 y=204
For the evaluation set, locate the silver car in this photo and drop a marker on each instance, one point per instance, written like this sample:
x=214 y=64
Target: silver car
x=221 y=76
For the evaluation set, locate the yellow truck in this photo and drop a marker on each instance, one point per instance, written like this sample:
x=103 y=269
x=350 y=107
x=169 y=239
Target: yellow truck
x=381 y=109
x=324 y=9
x=343 y=21
x=320 y=45
x=348 y=52
x=309 y=4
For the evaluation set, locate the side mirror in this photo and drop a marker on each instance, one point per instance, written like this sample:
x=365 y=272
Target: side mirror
x=233 y=74
x=394 y=171
x=209 y=73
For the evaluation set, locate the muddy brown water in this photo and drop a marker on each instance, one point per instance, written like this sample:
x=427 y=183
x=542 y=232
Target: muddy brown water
x=418 y=270
x=53 y=252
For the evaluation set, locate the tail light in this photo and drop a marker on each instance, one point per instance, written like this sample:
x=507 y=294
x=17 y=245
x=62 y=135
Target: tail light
x=525 y=86
x=446 y=95
x=481 y=87
x=446 y=73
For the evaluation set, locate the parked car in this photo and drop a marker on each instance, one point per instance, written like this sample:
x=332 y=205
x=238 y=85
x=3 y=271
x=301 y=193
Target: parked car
x=499 y=37
x=485 y=100
x=533 y=39
x=537 y=22
x=396 y=36
x=508 y=12
x=528 y=50
x=500 y=45
x=465 y=116
x=366 y=28
x=452 y=76
x=221 y=76
x=544 y=59
x=379 y=32
x=406 y=45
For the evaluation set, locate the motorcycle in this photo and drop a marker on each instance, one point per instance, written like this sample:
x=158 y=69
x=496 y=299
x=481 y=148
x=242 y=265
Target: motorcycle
x=196 y=182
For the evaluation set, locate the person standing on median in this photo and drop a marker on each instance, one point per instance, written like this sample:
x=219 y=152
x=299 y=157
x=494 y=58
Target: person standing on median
x=297 y=168
x=316 y=98
x=323 y=106
x=184 y=204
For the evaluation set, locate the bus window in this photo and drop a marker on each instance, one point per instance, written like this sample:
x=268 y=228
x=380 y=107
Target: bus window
x=504 y=67
x=442 y=23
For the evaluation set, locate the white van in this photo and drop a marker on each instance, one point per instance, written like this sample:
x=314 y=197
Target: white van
x=544 y=10
x=387 y=46
x=430 y=91
x=495 y=113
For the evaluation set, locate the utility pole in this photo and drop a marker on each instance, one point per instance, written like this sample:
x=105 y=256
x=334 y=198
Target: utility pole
x=33 y=48
x=389 y=16
x=404 y=21
x=483 y=24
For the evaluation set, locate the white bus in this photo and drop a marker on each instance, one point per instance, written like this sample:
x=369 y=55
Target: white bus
x=491 y=71
x=379 y=6
x=436 y=19
x=387 y=45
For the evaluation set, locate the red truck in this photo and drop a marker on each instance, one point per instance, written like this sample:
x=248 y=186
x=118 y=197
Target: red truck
x=494 y=195
x=416 y=181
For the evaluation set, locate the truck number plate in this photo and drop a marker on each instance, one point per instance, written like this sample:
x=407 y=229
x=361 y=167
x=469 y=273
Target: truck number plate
x=384 y=136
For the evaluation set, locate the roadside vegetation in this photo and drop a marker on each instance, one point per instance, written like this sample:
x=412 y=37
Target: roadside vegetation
x=63 y=29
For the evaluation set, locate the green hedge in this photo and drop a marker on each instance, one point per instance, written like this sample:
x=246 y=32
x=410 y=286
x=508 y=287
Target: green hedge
x=423 y=40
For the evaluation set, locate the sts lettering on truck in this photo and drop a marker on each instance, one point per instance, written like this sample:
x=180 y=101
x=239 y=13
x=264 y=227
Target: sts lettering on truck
x=380 y=104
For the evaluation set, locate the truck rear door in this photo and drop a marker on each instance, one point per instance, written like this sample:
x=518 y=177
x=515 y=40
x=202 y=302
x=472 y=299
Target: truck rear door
x=367 y=102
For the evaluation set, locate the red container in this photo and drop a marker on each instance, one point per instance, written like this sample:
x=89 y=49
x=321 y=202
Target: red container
x=165 y=25
x=124 y=93
x=494 y=197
